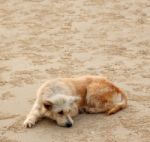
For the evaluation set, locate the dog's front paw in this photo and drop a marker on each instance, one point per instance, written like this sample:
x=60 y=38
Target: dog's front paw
x=28 y=123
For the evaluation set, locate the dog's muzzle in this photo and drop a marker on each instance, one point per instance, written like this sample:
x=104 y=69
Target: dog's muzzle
x=69 y=122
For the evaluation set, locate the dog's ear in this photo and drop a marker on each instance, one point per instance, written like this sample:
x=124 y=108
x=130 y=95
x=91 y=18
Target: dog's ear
x=48 y=105
x=74 y=99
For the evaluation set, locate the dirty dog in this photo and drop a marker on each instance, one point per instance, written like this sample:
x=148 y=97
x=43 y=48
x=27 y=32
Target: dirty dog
x=63 y=98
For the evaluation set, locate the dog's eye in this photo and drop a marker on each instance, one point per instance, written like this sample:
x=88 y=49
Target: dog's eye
x=47 y=106
x=61 y=112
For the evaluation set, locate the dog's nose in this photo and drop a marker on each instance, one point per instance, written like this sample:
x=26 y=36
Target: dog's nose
x=68 y=124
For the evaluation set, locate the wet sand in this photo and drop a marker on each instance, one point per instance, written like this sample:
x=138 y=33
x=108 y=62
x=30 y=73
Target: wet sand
x=45 y=39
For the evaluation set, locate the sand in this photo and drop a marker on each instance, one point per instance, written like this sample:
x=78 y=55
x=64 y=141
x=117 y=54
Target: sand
x=45 y=39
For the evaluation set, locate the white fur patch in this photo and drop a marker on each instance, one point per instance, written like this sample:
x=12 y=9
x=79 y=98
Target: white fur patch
x=116 y=98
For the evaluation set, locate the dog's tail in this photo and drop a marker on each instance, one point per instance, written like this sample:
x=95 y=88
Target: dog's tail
x=120 y=105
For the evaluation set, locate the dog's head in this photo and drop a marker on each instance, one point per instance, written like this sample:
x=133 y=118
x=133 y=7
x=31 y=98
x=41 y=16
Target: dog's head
x=62 y=108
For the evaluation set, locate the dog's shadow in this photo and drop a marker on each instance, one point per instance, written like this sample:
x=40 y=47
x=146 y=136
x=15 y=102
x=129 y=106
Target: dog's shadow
x=45 y=123
x=79 y=120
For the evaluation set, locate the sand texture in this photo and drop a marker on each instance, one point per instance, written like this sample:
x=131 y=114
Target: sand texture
x=44 y=39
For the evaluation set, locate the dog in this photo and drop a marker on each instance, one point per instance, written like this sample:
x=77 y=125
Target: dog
x=62 y=99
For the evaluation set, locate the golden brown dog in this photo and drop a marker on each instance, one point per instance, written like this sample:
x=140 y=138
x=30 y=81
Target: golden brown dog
x=61 y=99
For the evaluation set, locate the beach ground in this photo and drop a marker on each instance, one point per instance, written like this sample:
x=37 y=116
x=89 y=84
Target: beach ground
x=45 y=39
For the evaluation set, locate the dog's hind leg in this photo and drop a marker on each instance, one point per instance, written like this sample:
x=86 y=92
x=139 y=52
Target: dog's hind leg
x=116 y=108
x=33 y=116
x=94 y=110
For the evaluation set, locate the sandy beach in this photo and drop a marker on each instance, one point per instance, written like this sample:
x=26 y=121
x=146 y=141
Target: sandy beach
x=45 y=39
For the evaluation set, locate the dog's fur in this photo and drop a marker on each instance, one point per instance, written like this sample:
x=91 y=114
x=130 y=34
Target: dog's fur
x=61 y=99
